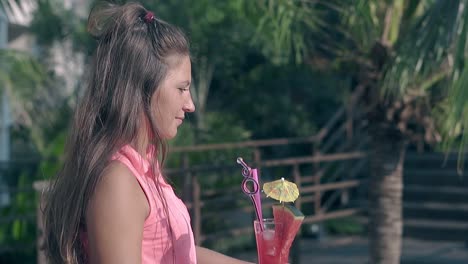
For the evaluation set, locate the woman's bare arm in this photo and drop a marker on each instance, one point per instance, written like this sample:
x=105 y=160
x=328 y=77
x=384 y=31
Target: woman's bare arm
x=115 y=217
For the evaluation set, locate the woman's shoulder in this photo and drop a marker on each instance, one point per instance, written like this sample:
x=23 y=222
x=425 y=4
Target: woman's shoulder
x=117 y=172
x=117 y=190
x=118 y=177
x=116 y=202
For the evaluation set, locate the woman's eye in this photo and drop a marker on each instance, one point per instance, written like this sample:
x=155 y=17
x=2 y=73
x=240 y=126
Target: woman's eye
x=183 y=89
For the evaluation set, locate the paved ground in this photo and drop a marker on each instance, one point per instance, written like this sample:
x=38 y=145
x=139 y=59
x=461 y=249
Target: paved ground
x=353 y=250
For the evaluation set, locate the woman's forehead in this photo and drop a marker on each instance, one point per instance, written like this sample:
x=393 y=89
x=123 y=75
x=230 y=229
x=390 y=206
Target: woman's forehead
x=180 y=69
x=174 y=60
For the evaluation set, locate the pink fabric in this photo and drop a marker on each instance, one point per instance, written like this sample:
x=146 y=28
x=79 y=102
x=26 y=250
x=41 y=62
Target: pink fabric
x=157 y=244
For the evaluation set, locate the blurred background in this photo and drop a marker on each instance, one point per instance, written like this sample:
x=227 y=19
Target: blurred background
x=361 y=103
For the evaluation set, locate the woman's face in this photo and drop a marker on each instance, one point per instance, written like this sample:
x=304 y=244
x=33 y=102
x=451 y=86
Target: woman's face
x=173 y=98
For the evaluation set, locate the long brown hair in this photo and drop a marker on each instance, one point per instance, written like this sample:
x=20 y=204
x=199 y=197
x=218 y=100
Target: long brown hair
x=129 y=64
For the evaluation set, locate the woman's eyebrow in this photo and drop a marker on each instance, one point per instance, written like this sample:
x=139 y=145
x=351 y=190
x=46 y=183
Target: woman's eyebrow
x=185 y=83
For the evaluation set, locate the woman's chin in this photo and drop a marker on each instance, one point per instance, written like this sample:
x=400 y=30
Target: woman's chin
x=169 y=135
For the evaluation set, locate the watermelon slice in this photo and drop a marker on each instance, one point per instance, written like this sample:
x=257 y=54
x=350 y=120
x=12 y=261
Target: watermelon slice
x=291 y=219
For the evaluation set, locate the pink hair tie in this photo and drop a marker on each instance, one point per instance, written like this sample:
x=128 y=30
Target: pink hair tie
x=149 y=17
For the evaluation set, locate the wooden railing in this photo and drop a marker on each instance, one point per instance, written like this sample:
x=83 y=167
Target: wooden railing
x=311 y=186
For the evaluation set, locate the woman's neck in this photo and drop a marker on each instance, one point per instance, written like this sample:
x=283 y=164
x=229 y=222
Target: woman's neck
x=140 y=144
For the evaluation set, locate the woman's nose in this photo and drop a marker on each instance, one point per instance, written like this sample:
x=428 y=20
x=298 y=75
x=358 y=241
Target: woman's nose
x=189 y=105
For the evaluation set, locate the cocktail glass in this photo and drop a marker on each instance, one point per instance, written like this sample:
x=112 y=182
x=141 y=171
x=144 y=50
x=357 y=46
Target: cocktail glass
x=269 y=242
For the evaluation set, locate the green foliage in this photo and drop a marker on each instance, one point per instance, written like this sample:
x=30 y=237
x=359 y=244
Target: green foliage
x=23 y=202
x=283 y=28
x=26 y=81
x=456 y=123
x=19 y=257
x=282 y=101
x=82 y=40
x=215 y=28
x=21 y=74
x=19 y=233
x=421 y=53
x=431 y=52
x=47 y=24
x=225 y=128
x=273 y=33
x=52 y=162
x=52 y=22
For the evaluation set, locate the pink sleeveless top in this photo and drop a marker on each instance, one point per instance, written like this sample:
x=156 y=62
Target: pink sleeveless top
x=158 y=246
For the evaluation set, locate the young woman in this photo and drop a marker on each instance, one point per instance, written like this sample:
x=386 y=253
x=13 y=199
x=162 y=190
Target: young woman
x=110 y=203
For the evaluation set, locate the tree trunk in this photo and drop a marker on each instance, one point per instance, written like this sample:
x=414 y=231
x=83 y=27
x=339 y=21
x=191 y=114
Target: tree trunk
x=204 y=76
x=387 y=151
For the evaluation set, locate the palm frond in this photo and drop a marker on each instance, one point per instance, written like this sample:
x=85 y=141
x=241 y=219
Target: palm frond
x=19 y=12
x=24 y=80
x=454 y=117
x=427 y=47
x=362 y=22
x=433 y=48
x=282 y=27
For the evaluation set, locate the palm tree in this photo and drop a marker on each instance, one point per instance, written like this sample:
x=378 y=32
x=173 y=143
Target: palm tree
x=25 y=78
x=420 y=52
x=403 y=55
x=24 y=81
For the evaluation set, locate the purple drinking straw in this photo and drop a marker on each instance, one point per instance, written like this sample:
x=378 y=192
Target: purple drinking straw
x=257 y=197
x=251 y=175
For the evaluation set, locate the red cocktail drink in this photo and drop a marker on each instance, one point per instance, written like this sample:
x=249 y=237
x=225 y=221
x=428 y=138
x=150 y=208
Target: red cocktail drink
x=268 y=242
x=275 y=236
